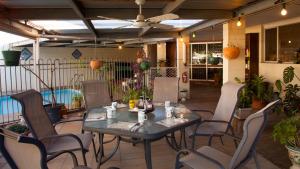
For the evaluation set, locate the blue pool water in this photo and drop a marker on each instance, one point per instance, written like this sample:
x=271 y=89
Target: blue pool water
x=8 y=105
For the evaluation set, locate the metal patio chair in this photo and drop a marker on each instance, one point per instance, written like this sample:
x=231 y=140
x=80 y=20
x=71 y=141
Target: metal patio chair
x=165 y=89
x=95 y=94
x=222 y=117
x=209 y=158
x=40 y=126
x=22 y=152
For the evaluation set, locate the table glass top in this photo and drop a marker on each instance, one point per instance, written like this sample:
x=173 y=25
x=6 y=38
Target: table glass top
x=152 y=127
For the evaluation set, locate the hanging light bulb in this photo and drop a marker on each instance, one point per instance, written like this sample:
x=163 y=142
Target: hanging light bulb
x=158 y=45
x=194 y=35
x=120 y=47
x=181 y=39
x=283 y=11
x=239 y=23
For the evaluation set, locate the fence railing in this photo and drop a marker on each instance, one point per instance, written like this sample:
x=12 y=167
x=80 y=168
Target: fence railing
x=64 y=75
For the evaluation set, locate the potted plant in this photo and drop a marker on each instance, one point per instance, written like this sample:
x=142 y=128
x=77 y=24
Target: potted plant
x=76 y=101
x=131 y=97
x=18 y=128
x=53 y=109
x=245 y=101
x=258 y=88
x=231 y=52
x=287 y=133
x=11 y=57
x=287 y=130
x=95 y=64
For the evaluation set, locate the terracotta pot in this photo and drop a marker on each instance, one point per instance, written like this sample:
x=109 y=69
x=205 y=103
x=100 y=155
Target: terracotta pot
x=257 y=104
x=95 y=64
x=76 y=104
x=294 y=155
x=231 y=52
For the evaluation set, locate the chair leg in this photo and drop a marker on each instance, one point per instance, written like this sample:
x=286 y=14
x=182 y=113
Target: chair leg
x=256 y=161
x=94 y=147
x=193 y=142
x=84 y=158
x=232 y=132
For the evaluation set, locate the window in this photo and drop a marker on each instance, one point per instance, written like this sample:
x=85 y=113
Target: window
x=282 y=43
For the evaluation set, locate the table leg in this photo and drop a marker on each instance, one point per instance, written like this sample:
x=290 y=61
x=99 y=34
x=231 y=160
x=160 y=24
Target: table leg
x=147 y=149
x=100 y=155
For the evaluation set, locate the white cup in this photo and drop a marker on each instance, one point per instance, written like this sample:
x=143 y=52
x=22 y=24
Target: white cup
x=167 y=103
x=114 y=105
x=110 y=113
x=142 y=116
x=169 y=111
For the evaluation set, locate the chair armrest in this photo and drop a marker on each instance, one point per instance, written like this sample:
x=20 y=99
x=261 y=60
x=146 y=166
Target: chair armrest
x=185 y=152
x=65 y=135
x=214 y=121
x=203 y=110
x=75 y=161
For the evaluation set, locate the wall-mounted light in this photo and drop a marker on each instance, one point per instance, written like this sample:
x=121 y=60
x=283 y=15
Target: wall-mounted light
x=283 y=11
x=55 y=39
x=194 y=35
x=158 y=45
x=120 y=47
x=239 y=23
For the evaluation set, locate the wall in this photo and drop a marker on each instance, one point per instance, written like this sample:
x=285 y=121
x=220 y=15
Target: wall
x=107 y=53
x=272 y=71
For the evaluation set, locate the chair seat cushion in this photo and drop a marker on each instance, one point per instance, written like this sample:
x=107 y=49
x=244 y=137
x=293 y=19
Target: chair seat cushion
x=197 y=162
x=68 y=143
x=207 y=129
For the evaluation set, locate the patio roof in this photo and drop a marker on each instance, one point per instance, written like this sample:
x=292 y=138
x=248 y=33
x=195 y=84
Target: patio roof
x=67 y=19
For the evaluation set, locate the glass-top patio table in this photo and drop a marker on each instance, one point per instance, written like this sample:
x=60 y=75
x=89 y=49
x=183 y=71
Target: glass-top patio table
x=154 y=128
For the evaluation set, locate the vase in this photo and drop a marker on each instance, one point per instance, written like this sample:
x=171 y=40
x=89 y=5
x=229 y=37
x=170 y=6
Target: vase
x=231 y=52
x=11 y=57
x=95 y=64
x=294 y=155
x=257 y=104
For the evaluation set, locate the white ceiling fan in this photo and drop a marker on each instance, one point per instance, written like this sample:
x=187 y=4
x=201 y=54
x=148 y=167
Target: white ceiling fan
x=148 y=23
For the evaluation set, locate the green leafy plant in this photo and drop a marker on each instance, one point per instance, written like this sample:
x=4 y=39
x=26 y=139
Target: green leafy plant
x=18 y=128
x=258 y=87
x=131 y=94
x=245 y=98
x=288 y=92
x=77 y=97
x=287 y=131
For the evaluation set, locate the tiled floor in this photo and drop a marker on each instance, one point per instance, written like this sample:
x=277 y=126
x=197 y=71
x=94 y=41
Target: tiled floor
x=163 y=157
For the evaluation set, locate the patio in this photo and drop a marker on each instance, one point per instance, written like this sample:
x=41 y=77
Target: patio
x=133 y=157
x=198 y=84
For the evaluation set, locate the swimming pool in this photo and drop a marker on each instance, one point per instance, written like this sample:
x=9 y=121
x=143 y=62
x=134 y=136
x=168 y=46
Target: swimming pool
x=10 y=106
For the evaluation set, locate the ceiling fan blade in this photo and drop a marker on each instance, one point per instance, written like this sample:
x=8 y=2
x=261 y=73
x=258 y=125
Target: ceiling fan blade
x=109 y=18
x=161 y=26
x=124 y=26
x=144 y=30
x=169 y=16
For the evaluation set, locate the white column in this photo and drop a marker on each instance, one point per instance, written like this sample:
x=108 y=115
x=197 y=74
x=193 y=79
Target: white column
x=161 y=51
x=234 y=35
x=181 y=63
x=36 y=57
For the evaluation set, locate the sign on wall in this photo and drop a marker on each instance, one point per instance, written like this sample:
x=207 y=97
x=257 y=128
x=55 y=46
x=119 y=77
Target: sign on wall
x=76 y=54
x=25 y=54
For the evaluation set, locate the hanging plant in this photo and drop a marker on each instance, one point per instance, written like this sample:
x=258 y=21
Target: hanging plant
x=231 y=52
x=145 y=65
x=95 y=64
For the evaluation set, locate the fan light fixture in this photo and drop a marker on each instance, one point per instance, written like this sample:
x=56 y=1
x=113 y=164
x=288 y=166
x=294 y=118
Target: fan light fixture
x=120 y=47
x=283 y=11
x=239 y=23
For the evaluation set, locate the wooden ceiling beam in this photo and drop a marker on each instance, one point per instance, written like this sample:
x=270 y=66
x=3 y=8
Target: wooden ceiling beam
x=172 y=6
x=67 y=13
x=78 y=9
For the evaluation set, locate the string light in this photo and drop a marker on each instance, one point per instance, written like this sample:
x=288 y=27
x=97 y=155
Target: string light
x=120 y=47
x=194 y=35
x=283 y=11
x=239 y=23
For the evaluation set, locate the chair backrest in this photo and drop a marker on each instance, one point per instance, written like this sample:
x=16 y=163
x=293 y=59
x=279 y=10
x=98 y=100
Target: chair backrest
x=34 y=113
x=95 y=93
x=227 y=104
x=22 y=152
x=252 y=129
x=165 y=89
